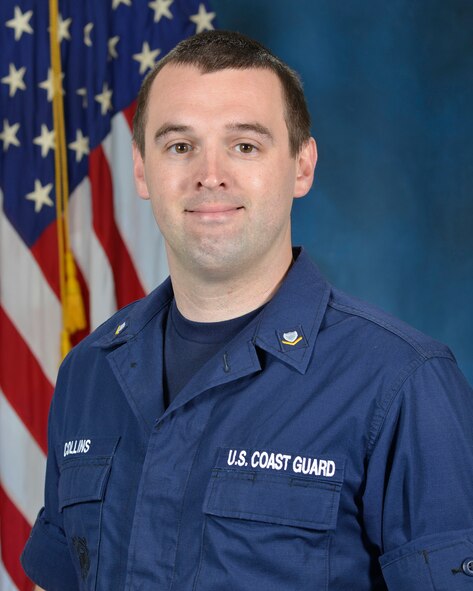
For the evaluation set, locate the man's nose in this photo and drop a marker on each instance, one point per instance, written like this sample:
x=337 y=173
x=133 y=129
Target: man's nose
x=211 y=169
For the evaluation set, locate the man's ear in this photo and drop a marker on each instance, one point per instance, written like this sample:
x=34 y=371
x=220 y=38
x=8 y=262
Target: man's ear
x=305 y=162
x=139 y=173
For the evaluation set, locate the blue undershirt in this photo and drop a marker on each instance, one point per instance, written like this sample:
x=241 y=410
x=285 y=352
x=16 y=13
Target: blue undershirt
x=189 y=345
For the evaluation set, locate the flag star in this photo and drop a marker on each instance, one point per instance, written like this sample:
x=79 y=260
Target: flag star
x=112 y=47
x=80 y=145
x=20 y=22
x=161 y=8
x=147 y=58
x=203 y=19
x=105 y=99
x=15 y=79
x=87 y=31
x=83 y=93
x=40 y=195
x=45 y=140
x=49 y=85
x=116 y=3
x=8 y=135
x=63 y=29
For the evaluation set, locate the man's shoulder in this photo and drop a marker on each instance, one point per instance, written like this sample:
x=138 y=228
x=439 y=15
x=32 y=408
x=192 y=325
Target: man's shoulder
x=125 y=323
x=373 y=326
x=358 y=324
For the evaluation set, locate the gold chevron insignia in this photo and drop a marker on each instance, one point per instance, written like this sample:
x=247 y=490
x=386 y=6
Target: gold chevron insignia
x=291 y=338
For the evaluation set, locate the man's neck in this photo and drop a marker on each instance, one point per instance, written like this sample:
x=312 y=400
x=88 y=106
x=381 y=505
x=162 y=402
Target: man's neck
x=212 y=300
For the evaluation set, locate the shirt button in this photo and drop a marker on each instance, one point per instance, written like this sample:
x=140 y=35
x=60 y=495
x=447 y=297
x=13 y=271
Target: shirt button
x=467 y=566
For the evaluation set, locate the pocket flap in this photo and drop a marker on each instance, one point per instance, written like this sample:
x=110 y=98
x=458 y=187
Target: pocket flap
x=83 y=481
x=273 y=498
x=83 y=477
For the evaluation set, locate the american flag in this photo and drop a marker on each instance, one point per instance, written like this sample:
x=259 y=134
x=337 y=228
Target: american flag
x=107 y=46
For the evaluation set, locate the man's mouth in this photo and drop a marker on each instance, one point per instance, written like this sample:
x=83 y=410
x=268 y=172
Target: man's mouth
x=213 y=208
x=214 y=212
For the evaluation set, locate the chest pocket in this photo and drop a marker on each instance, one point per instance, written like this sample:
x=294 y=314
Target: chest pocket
x=82 y=488
x=267 y=531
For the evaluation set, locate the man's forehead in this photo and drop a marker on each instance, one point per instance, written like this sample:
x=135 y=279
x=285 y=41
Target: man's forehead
x=185 y=95
x=176 y=73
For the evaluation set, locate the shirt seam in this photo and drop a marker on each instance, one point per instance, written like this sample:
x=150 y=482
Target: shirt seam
x=421 y=350
x=439 y=548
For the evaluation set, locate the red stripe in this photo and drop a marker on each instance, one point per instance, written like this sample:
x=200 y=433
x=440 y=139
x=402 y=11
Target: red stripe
x=23 y=382
x=14 y=532
x=45 y=251
x=129 y=112
x=127 y=284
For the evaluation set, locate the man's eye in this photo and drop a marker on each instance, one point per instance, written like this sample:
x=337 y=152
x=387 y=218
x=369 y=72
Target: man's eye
x=245 y=148
x=180 y=148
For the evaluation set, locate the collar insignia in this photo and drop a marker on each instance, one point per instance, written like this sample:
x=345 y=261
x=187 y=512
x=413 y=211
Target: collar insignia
x=120 y=327
x=292 y=339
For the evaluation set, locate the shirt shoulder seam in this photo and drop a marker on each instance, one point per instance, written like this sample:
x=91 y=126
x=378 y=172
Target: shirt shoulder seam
x=390 y=327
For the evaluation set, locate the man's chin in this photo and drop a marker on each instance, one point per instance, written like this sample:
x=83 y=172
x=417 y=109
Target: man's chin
x=218 y=260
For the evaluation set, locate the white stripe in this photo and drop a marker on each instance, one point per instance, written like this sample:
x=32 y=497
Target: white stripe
x=22 y=463
x=28 y=300
x=134 y=216
x=6 y=584
x=90 y=256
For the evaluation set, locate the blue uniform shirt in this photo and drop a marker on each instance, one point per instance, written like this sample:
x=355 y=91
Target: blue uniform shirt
x=328 y=447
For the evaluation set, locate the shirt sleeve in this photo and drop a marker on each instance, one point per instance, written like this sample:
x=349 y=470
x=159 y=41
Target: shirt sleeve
x=46 y=558
x=418 y=500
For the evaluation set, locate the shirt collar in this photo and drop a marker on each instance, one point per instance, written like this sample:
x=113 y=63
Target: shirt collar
x=291 y=321
x=128 y=322
x=287 y=328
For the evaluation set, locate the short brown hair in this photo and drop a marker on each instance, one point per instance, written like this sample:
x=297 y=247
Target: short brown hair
x=211 y=51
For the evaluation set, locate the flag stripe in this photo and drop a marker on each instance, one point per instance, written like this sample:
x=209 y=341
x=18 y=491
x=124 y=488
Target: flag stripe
x=91 y=257
x=129 y=113
x=20 y=377
x=127 y=283
x=14 y=532
x=6 y=584
x=132 y=214
x=45 y=251
x=23 y=305
x=22 y=463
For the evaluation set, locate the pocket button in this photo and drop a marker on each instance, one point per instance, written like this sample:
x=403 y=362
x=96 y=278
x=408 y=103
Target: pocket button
x=467 y=566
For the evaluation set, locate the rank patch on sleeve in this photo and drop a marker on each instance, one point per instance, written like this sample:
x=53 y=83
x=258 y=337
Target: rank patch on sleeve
x=292 y=338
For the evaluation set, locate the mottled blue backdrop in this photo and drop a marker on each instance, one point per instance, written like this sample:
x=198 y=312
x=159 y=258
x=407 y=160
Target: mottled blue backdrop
x=390 y=88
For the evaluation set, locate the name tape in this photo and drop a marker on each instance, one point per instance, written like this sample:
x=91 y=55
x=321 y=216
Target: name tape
x=264 y=460
x=78 y=446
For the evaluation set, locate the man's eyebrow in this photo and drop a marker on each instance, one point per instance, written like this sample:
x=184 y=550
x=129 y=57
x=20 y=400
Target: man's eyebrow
x=168 y=128
x=254 y=127
x=257 y=128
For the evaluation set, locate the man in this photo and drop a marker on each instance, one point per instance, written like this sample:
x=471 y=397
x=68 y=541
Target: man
x=247 y=426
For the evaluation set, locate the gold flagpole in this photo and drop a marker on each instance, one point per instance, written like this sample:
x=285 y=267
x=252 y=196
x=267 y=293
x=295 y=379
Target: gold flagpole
x=73 y=314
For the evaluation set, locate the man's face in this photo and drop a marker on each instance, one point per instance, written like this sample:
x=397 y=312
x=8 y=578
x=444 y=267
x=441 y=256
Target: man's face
x=218 y=169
